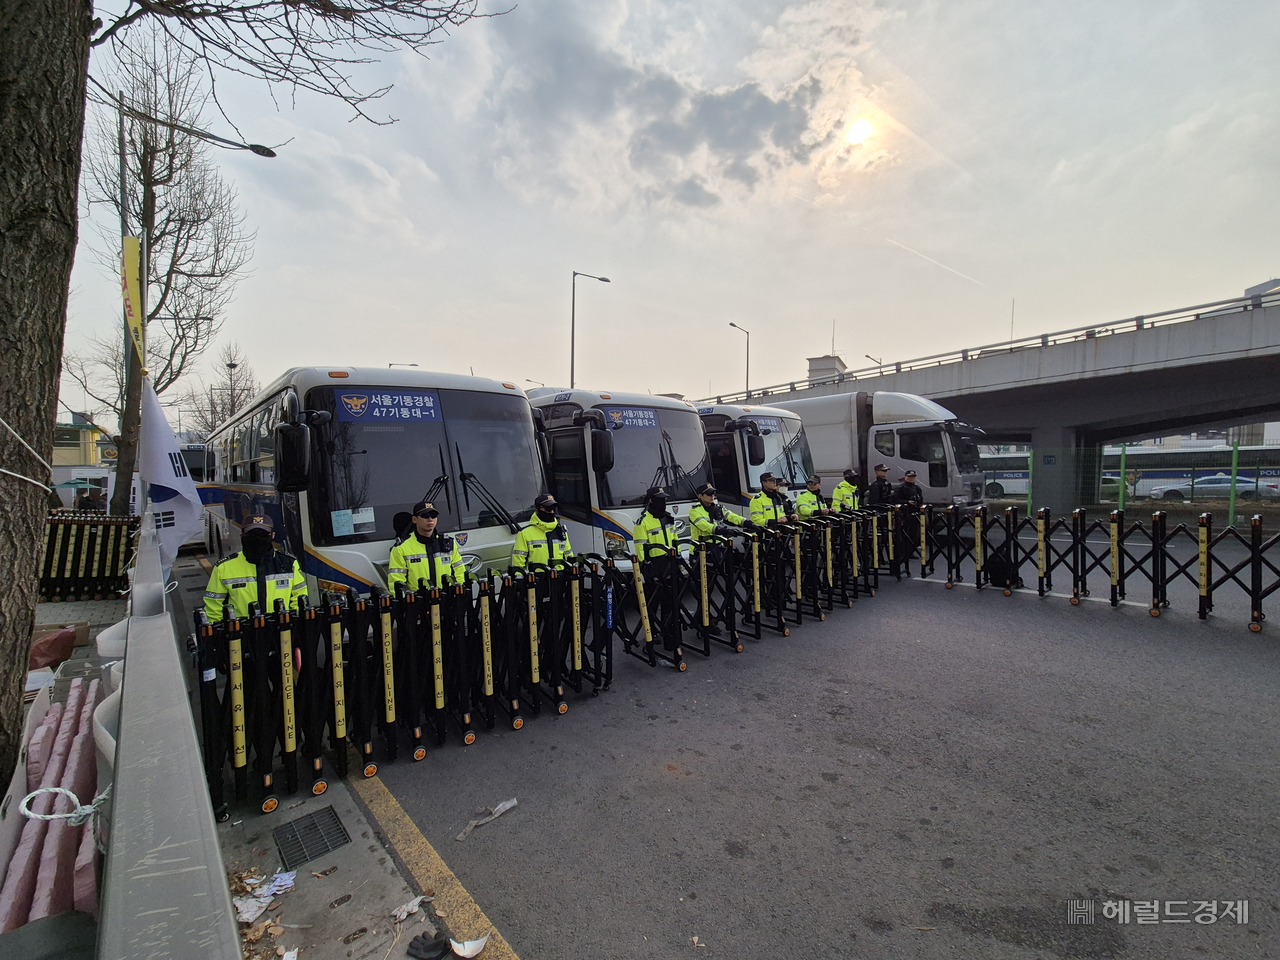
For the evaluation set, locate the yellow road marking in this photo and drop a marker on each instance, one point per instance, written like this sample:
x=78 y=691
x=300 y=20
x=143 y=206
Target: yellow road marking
x=463 y=915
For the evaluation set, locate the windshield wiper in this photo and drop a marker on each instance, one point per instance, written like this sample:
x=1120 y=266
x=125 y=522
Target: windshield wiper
x=485 y=495
x=443 y=480
x=437 y=485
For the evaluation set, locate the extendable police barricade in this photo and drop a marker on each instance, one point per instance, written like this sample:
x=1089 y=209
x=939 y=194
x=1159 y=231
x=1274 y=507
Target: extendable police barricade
x=658 y=582
x=85 y=556
x=715 y=564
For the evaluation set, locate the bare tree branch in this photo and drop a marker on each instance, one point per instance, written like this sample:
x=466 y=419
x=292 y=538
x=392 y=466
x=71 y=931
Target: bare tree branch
x=303 y=44
x=211 y=403
x=195 y=245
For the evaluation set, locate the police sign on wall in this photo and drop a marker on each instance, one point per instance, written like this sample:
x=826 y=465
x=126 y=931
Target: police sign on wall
x=355 y=406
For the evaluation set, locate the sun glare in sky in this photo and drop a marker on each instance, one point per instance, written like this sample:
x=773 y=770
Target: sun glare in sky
x=860 y=130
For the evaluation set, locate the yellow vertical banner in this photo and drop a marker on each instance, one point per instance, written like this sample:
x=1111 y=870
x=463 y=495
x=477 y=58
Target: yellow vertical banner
x=130 y=258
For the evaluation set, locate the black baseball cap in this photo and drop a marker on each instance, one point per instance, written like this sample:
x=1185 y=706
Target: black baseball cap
x=814 y=479
x=259 y=521
x=656 y=492
x=706 y=490
x=850 y=474
x=909 y=473
x=767 y=475
x=424 y=508
x=544 y=500
x=881 y=466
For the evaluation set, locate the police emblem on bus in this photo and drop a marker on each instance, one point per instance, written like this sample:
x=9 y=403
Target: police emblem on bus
x=356 y=403
x=461 y=539
x=617 y=415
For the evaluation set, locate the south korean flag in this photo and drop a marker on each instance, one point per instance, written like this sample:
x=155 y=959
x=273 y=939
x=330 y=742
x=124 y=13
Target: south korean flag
x=175 y=504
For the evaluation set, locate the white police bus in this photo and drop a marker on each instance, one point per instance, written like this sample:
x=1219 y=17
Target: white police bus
x=337 y=456
x=745 y=442
x=606 y=449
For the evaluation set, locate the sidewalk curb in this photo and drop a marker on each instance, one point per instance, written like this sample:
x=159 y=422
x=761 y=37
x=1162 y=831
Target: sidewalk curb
x=462 y=915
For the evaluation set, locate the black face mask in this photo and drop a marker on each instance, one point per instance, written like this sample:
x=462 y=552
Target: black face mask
x=256 y=548
x=547 y=516
x=658 y=506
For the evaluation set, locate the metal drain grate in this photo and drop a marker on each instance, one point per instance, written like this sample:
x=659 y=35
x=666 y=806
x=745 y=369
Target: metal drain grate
x=302 y=840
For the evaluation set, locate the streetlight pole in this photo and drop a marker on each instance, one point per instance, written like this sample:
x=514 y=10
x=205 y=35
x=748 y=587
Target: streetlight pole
x=573 y=320
x=747 y=382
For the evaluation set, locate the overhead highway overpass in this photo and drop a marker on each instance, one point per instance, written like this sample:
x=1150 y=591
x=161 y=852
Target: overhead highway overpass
x=1069 y=392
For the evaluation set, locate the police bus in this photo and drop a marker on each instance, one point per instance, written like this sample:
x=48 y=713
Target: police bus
x=1152 y=471
x=337 y=456
x=606 y=449
x=745 y=442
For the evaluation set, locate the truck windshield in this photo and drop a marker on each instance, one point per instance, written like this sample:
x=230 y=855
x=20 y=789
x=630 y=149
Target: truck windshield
x=388 y=447
x=786 y=452
x=968 y=458
x=653 y=447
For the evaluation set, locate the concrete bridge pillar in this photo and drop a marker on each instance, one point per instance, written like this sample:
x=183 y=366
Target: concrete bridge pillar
x=1064 y=474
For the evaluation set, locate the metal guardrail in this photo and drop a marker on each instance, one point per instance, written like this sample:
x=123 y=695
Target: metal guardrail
x=164 y=886
x=1129 y=325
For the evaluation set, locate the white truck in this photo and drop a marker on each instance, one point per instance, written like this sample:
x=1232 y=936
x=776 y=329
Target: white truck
x=903 y=430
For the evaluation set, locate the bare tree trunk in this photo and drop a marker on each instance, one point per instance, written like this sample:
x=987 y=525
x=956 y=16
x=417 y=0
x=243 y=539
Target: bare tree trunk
x=44 y=58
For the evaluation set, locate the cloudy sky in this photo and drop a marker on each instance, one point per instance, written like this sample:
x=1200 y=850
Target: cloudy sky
x=1092 y=160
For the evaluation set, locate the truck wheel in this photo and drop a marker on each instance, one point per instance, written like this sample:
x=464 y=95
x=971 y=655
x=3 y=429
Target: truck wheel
x=995 y=489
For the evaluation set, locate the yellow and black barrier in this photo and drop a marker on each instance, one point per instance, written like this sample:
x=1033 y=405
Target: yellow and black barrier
x=86 y=556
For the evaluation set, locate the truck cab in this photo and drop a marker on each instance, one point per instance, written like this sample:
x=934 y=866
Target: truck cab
x=903 y=430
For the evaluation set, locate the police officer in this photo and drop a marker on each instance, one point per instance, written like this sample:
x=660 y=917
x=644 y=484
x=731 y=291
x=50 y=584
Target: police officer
x=544 y=539
x=908 y=491
x=658 y=528
x=770 y=506
x=810 y=503
x=880 y=490
x=709 y=518
x=655 y=525
x=845 y=495
x=423 y=557
x=259 y=574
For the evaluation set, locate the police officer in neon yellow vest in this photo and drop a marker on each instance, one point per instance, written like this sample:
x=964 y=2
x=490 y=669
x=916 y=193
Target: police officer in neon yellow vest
x=708 y=518
x=259 y=574
x=845 y=495
x=655 y=525
x=810 y=504
x=770 y=506
x=544 y=539
x=425 y=556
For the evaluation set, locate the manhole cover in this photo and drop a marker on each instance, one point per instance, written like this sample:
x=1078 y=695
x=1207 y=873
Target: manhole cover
x=302 y=840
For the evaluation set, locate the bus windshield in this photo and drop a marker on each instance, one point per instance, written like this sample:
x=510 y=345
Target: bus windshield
x=653 y=447
x=472 y=454
x=786 y=452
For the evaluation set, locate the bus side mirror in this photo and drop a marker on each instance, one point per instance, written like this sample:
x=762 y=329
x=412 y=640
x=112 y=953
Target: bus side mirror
x=755 y=449
x=602 y=450
x=293 y=457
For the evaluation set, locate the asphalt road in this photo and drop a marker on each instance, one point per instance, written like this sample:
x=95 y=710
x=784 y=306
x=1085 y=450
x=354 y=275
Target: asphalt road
x=932 y=774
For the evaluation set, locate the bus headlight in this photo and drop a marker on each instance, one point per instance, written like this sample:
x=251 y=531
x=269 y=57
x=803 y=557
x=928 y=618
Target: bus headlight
x=615 y=545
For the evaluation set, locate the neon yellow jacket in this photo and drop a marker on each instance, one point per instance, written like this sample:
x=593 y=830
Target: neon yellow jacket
x=651 y=529
x=703 y=520
x=809 y=504
x=844 y=496
x=763 y=509
x=236 y=579
x=415 y=562
x=541 y=542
